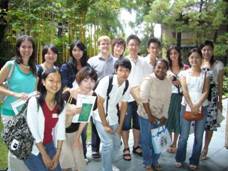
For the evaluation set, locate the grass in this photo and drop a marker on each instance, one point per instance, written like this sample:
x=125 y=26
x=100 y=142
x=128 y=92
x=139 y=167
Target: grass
x=3 y=151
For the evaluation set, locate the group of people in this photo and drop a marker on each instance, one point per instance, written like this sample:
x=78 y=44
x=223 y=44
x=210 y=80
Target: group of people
x=166 y=89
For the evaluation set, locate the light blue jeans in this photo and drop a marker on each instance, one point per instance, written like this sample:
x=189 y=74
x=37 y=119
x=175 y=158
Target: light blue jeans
x=184 y=134
x=110 y=144
x=149 y=157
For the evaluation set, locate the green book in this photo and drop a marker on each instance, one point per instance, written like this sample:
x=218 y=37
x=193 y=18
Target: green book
x=85 y=112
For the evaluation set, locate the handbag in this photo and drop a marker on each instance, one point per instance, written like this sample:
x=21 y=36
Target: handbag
x=189 y=116
x=69 y=118
x=5 y=83
x=160 y=139
x=17 y=135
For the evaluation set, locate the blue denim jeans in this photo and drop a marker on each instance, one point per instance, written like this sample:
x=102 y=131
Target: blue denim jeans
x=110 y=144
x=184 y=134
x=132 y=115
x=149 y=157
x=35 y=163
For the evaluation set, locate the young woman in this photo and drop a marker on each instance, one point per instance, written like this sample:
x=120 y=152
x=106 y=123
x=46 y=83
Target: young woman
x=194 y=83
x=154 y=111
x=173 y=122
x=49 y=57
x=46 y=120
x=72 y=152
x=118 y=48
x=78 y=59
x=215 y=72
x=24 y=73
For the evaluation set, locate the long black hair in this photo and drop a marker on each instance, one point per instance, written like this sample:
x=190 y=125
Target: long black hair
x=180 y=64
x=32 y=59
x=43 y=91
x=72 y=61
x=52 y=47
x=211 y=44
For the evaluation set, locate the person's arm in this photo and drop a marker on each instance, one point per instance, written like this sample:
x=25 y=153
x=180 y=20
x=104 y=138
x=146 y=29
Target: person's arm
x=151 y=117
x=44 y=155
x=123 y=110
x=4 y=72
x=220 y=88
x=185 y=92
x=78 y=135
x=101 y=111
x=56 y=157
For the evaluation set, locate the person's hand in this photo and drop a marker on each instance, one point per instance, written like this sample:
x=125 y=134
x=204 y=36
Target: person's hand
x=162 y=120
x=195 y=108
x=55 y=161
x=77 y=110
x=152 y=119
x=22 y=96
x=47 y=161
x=176 y=82
x=119 y=131
x=77 y=143
x=108 y=129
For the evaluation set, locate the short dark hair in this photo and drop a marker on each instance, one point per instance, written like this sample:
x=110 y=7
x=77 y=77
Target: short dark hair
x=134 y=37
x=197 y=50
x=45 y=50
x=124 y=62
x=119 y=41
x=153 y=40
x=163 y=61
x=86 y=72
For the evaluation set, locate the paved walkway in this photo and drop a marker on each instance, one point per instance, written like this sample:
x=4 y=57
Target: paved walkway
x=217 y=161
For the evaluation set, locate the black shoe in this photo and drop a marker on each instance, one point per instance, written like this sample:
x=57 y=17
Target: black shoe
x=96 y=155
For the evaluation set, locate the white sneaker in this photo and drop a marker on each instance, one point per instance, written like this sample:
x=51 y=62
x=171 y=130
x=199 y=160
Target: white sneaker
x=114 y=168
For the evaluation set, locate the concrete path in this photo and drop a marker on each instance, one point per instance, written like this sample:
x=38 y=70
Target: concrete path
x=217 y=161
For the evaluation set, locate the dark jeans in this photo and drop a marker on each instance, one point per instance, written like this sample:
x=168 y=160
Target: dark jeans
x=95 y=138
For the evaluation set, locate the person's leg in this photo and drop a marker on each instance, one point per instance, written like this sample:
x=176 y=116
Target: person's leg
x=35 y=163
x=198 y=132
x=84 y=137
x=207 y=140
x=125 y=133
x=95 y=142
x=146 y=141
x=106 y=148
x=184 y=134
x=136 y=130
x=116 y=143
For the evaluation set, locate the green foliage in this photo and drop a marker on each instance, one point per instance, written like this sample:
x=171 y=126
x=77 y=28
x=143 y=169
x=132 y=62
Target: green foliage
x=221 y=45
x=225 y=87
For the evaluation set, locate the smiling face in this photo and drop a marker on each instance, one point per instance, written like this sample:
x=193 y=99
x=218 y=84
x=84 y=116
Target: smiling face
x=50 y=57
x=207 y=52
x=118 y=50
x=52 y=83
x=160 y=70
x=174 y=55
x=26 y=49
x=122 y=74
x=104 y=46
x=153 y=50
x=195 y=59
x=87 y=84
x=77 y=53
x=133 y=47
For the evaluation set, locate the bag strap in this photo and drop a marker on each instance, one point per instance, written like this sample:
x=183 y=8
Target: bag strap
x=108 y=92
x=11 y=69
x=126 y=86
x=204 y=81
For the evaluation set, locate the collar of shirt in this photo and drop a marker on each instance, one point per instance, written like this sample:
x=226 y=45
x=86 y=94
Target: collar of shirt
x=135 y=60
x=110 y=58
x=115 y=81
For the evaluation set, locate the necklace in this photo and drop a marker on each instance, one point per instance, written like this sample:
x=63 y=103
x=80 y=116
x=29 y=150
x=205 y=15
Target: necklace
x=25 y=66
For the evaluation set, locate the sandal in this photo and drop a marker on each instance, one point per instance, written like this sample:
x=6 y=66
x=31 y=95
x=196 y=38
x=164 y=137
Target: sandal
x=171 y=149
x=126 y=154
x=157 y=167
x=203 y=155
x=192 y=167
x=137 y=152
x=149 y=168
x=178 y=165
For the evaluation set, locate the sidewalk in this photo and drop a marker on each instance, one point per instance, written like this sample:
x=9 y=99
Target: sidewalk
x=217 y=161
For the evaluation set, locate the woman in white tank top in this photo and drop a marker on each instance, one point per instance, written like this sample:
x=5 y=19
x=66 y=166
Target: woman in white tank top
x=195 y=84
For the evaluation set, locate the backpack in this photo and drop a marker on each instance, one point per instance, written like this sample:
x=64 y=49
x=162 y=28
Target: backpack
x=5 y=83
x=17 y=135
x=110 y=89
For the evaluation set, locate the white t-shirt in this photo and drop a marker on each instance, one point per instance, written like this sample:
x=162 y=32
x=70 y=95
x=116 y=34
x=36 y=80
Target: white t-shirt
x=115 y=96
x=139 y=70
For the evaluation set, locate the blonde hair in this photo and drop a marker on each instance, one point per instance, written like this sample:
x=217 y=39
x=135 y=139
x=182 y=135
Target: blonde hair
x=103 y=38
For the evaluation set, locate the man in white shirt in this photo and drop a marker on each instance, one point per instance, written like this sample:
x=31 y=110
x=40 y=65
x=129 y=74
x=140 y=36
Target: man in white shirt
x=103 y=64
x=139 y=70
x=153 y=49
x=105 y=117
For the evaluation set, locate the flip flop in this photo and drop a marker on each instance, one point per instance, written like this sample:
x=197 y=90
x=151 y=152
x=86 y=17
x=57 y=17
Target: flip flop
x=136 y=152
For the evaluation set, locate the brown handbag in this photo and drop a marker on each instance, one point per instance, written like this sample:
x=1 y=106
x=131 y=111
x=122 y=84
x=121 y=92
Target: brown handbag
x=189 y=116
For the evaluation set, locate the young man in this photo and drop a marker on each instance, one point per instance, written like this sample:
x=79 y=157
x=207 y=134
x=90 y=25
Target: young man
x=153 y=49
x=106 y=120
x=103 y=64
x=140 y=69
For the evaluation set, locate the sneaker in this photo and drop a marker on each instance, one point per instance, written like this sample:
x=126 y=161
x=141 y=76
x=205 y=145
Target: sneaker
x=96 y=155
x=114 y=168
